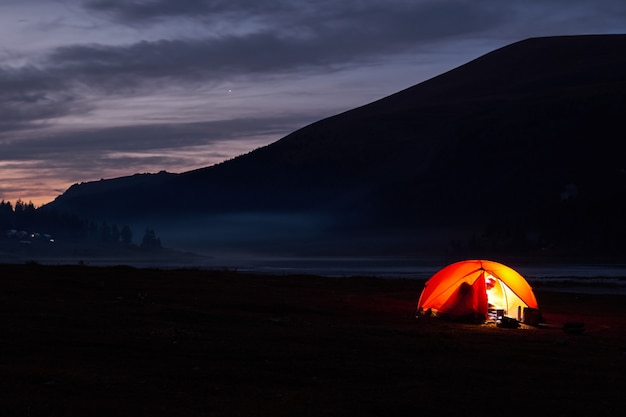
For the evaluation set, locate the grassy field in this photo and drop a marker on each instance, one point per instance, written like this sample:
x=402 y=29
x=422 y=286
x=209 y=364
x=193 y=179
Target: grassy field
x=102 y=341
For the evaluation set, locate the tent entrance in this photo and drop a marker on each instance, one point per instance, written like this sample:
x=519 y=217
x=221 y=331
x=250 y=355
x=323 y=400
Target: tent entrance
x=487 y=298
x=502 y=301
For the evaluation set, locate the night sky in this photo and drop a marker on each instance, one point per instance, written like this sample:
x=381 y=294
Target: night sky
x=94 y=89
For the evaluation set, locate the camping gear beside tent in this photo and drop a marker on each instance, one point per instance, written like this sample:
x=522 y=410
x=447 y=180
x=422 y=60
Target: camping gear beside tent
x=475 y=290
x=508 y=323
x=574 y=327
x=532 y=316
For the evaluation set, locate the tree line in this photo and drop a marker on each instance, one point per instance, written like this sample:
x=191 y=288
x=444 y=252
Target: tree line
x=25 y=217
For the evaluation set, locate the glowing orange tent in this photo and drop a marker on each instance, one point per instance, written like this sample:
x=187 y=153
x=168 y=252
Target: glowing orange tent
x=475 y=288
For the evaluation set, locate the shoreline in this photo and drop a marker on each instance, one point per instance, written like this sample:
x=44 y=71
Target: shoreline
x=582 y=278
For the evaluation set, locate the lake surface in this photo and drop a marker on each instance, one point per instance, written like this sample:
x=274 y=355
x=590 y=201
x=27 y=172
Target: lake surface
x=583 y=278
x=599 y=278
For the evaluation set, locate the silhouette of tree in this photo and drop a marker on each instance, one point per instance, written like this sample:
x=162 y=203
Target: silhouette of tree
x=105 y=232
x=7 y=217
x=126 y=235
x=24 y=215
x=150 y=240
x=93 y=230
x=115 y=234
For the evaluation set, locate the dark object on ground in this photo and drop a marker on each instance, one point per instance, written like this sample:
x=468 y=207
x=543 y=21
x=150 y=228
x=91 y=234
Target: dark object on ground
x=574 y=327
x=532 y=316
x=508 y=323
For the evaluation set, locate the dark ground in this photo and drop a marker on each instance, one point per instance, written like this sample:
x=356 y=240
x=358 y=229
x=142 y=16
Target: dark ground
x=96 y=341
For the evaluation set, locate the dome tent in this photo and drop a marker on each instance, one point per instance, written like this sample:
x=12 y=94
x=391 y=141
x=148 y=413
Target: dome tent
x=471 y=288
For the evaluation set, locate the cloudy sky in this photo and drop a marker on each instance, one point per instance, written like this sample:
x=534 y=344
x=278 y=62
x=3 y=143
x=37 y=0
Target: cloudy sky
x=94 y=89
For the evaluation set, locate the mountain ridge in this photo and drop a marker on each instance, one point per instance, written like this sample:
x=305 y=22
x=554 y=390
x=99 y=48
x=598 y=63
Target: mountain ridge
x=495 y=140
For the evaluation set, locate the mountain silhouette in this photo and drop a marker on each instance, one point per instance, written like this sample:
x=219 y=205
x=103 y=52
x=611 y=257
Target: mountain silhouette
x=519 y=149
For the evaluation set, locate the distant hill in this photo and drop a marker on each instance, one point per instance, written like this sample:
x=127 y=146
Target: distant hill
x=519 y=150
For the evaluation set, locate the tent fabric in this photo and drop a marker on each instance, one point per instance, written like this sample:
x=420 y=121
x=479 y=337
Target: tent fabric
x=467 y=301
x=471 y=287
